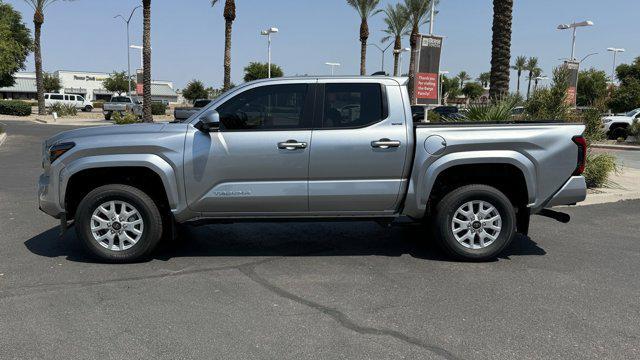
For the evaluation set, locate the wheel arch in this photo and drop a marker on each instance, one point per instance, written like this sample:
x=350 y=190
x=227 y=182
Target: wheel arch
x=484 y=167
x=146 y=171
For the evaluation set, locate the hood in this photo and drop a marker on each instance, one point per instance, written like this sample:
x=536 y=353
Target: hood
x=104 y=131
x=622 y=118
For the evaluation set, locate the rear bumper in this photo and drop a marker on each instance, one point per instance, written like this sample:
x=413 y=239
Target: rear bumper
x=572 y=192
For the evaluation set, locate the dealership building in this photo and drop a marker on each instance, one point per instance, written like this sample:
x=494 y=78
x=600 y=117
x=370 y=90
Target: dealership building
x=87 y=84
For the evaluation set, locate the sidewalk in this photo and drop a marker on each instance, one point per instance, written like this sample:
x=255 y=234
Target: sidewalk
x=626 y=186
x=616 y=146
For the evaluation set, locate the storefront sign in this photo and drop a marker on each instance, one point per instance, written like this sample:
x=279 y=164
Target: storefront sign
x=572 y=91
x=426 y=84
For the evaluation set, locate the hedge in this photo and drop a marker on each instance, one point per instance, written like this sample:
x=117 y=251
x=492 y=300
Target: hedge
x=15 y=108
x=158 y=108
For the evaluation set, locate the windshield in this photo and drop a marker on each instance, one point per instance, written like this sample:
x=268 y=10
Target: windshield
x=120 y=99
x=201 y=103
x=633 y=112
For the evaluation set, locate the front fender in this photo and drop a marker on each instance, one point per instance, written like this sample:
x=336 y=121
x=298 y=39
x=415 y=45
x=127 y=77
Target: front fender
x=424 y=177
x=150 y=161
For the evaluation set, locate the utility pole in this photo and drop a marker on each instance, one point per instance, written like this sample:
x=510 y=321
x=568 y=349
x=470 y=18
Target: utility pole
x=127 y=21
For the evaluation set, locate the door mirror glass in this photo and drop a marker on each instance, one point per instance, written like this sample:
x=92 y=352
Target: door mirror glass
x=209 y=121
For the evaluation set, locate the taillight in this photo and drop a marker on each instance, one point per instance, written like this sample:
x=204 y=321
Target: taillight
x=582 y=154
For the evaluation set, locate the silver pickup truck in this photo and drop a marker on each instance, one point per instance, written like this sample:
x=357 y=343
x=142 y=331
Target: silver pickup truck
x=121 y=104
x=310 y=148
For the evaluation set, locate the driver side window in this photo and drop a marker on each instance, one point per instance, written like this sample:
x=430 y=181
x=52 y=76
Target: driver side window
x=270 y=107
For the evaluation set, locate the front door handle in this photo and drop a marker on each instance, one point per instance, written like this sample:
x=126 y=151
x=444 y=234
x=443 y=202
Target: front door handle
x=385 y=144
x=292 y=145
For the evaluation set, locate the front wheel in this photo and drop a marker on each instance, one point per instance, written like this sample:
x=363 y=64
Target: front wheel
x=88 y=108
x=118 y=223
x=475 y=222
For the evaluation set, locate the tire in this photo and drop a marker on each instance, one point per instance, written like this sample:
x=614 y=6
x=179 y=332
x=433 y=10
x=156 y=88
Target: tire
x=618 y=132
x=106 y=203
x=107 y=116
x=87 y=108
x=483 y=242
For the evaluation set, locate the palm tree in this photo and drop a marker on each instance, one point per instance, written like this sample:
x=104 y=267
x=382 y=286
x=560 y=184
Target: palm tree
x=229 y=14
x=146 y=62
x=397 y=21
x=462 y=77
x=365 y=9
x=532 y=64
x=520 y=65
x=39 y=6
x=418 y=11
x=484 y=79
x=501 y=48
x=537 y=72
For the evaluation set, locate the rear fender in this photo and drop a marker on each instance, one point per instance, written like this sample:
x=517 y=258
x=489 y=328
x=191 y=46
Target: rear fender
x=424 y=177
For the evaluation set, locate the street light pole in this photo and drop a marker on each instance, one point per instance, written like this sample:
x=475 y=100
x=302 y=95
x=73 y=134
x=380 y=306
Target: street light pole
x=400 y=51
x=615 y=52
x=383 y=51
x=574 y=26
x=268 y=33
x=332 y=65
x=127 y=21
x=432 y=14
x=440 y=94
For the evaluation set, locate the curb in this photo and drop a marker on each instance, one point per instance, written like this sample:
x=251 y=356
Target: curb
x=3 y=137
x=615 y=147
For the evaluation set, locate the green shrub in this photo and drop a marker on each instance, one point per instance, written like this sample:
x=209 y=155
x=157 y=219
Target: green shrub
x=14 y=107
x=63 y=109
x=98 y=104
x=499 y=110
x=32 y=103
x=434 y=117
x=599 y=168
x=158 y=108
x=634 y=129
x=591 y=118
x=127 y=118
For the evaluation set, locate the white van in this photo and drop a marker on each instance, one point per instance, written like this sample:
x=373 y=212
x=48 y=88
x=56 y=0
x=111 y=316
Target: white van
x=76 y=100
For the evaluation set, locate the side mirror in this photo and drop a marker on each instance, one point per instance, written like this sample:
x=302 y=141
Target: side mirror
x=209 y=121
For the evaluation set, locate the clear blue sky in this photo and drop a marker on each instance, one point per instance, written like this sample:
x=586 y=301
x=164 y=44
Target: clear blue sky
x=188 y=35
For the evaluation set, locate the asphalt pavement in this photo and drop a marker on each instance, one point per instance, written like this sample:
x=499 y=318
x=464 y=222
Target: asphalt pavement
x=313 y=290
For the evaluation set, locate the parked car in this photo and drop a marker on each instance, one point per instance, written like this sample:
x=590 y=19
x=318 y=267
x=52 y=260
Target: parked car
x=183 y=113
x=284 y=149
x=121 y=104
x=446 y=112
x=77 y=101
x=616 y=125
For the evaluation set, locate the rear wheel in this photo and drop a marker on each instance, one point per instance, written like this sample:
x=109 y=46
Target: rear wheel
x=107 y=116
x=119 y=223
x=88 y=108
x=475 y=222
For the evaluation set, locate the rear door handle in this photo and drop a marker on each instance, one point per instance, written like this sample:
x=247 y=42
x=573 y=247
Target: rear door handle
x=292 y=145
x=385 y=144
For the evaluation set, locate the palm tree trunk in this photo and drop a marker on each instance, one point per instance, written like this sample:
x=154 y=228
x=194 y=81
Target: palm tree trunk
x=38 y=20
x=519 y=73
x=364 y=35
x=227 y=54
x=146 y=61
x=501 y=48
x=413 y=40
x=529 y=86
x=396 y=54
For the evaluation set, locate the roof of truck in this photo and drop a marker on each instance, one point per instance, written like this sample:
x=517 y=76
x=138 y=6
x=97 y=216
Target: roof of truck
x=401 y=80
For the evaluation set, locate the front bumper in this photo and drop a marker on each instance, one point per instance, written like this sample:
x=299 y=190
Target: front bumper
x=572 y=192
x=47 y=197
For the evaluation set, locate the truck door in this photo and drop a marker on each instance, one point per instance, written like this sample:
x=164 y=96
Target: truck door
x=258 y=163
x=359 y=148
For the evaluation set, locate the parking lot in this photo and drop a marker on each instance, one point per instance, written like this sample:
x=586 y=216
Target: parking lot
x=313 y=290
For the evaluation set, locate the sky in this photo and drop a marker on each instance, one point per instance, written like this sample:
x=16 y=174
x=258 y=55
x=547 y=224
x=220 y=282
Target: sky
x=188 y=36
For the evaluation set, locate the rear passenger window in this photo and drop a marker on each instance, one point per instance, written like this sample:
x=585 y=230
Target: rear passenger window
x=271 y=107
x=56 y=97
x=352 y=105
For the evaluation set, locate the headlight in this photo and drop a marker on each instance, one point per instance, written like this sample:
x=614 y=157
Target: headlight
x=58 y=150
x=606 y=121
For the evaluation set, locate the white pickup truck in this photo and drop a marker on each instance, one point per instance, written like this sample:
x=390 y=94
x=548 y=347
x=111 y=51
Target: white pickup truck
x=311 y=148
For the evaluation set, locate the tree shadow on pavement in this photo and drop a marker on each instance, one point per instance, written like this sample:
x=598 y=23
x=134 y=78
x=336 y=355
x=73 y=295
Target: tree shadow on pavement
x=282 y=239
